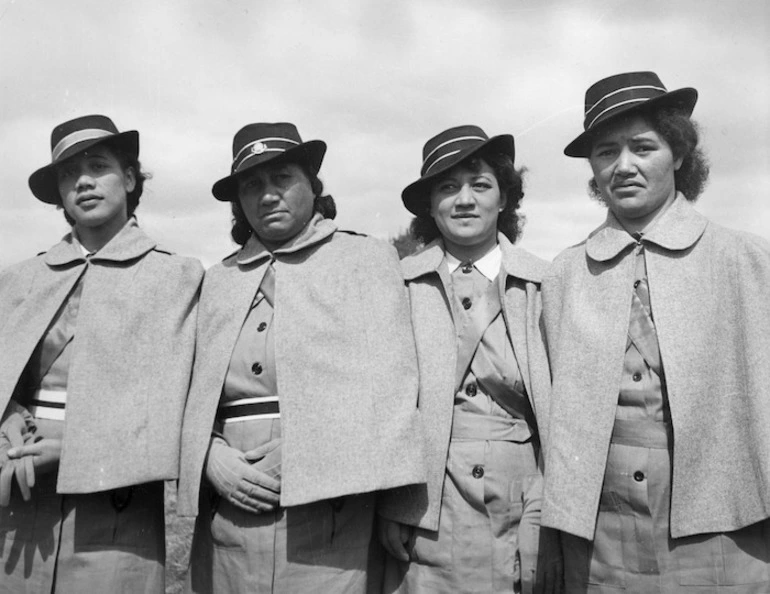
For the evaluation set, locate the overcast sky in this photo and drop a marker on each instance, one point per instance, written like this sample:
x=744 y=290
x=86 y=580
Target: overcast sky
x=374 y=79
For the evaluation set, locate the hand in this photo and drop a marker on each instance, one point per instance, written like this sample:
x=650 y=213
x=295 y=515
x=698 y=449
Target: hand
x=13 y=434
x=43 y=452
x=550 y=563
x=394 y=536
x=238 y=481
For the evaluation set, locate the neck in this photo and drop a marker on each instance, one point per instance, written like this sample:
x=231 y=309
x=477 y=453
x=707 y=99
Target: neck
x=472 y=253
x=95 y=238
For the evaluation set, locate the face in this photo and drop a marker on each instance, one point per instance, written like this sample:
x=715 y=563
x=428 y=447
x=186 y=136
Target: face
x=466 y=204
x=634 y=169
x=93 y=187
x=277 y=201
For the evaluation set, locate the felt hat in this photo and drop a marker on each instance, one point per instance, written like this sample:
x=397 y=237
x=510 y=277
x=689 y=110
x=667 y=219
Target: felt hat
x=622 y=94
x=73 y=137
x=444 y=151
x=257 y=144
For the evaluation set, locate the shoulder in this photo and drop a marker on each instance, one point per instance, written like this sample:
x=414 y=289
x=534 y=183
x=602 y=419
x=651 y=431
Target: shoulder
x=185 y=266
x=737 y=241
x=21 y=269
x=358 y=247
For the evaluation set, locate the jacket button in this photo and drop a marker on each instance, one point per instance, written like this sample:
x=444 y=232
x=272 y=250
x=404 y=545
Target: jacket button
x=638 y=476
x=471 y=390
x=637 y=377
x=261 y=327
x=467 y=303
x=478 y=471
x=256 y=369
x=636 y=284
x=467 y=268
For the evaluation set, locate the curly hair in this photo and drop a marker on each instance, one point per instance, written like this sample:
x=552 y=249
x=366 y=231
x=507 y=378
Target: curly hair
x=324 y=204
x=683 y=136
x=423 y=227
x=126 y=162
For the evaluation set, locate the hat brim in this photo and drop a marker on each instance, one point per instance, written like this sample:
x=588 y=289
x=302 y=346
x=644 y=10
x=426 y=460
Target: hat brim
x=415 y=195
x=310 y=153
x=683 y=99
x=44 y=183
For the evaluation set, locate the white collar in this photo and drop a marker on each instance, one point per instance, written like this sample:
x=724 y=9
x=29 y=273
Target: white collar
x=488 y=265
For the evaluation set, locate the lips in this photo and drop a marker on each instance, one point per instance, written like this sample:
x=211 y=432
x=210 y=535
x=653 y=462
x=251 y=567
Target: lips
x=465 y=216
x=86 y=199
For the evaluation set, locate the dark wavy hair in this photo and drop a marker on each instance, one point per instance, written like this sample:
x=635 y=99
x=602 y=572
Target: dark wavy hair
x=126 y=162
x=423 y=227
x=683 y=136
x=324 y=204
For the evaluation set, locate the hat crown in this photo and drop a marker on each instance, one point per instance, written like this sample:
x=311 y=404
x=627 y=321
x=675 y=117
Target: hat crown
x=97 y=123
x=619 y=91
x=448 y=143
x=256 y=139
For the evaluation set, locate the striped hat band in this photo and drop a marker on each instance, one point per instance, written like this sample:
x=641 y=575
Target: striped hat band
x=76 y=138
x=619 y=99
x=448 y=149
x=259 y=147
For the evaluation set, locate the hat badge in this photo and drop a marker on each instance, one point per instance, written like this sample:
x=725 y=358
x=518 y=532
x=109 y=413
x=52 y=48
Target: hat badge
x=258 y=148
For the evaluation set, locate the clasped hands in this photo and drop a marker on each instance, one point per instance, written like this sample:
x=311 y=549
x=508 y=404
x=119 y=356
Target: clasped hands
x=23 y=453
x=249 y=480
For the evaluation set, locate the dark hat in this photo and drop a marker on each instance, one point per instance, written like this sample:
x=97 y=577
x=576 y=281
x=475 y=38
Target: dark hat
x=623 y=93
x=256 y=144
x=444 y=151
x=73 y=137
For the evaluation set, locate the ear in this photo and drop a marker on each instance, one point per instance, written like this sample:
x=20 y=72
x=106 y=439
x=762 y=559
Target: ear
x=503 y=202
x=130 y=175
x=678 y=163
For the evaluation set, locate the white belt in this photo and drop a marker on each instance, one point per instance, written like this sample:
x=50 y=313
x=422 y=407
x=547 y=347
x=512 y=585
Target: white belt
x=48 y=404
x=248 y=409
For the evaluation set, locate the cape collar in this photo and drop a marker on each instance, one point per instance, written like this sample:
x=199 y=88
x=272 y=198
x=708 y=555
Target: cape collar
x=128 y=244
x=515 y=262
x=316 y=231
x=677 y=229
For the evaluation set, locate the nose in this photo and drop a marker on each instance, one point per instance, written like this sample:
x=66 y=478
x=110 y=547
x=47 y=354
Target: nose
x=626 y=163
x=270 y=194
x=465 y=196
x=84 y=182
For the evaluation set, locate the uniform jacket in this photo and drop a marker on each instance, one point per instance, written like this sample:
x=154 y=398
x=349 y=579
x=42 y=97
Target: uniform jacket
x=436 y=339
x=345 y=366
x=709 y=290
x=132 y=353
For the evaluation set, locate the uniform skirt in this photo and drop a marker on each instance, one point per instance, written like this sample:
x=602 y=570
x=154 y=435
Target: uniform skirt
x=633 y=551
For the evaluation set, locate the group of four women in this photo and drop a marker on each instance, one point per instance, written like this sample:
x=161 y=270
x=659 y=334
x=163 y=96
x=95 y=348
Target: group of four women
x=493 y=422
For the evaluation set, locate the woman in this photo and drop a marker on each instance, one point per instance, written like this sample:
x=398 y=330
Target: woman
x=96 y=349
x=658 y=330
x=484 y=377
x=306 y=372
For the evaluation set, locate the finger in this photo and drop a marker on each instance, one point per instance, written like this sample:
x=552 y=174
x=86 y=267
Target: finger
x=394 y=538
x=249 y=504
x=260 y=452
x=260 y=479
x=29 y=462
x=256 y=493
x=21 y=479
x=6 y=478
x=30 y=449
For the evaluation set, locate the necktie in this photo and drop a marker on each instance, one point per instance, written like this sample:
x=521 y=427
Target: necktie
x=267 y=287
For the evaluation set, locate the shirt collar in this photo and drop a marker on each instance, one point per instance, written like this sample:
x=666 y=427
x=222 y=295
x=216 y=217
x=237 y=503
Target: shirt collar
x=678 y=228
x=488 y=265
x=316 y=231
x=515 y=261
x=128 y=244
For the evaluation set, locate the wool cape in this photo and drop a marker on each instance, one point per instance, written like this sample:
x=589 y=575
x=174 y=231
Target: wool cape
x=345 y=365
x=709 y=290
x=436 y=338
x=132 y=353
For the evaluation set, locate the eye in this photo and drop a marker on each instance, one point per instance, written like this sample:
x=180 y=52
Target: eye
x=482 y=185
x=64 y=173
x=446 y=186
